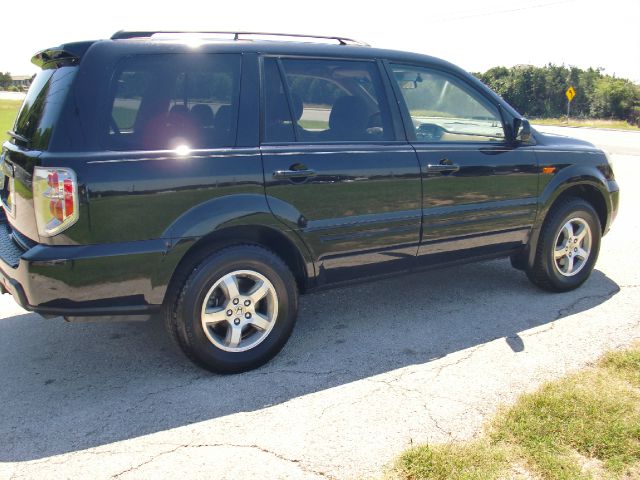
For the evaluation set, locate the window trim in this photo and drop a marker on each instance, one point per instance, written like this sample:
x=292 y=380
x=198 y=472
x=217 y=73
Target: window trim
x=288 y=97
x=384 y=90
x=467 y=87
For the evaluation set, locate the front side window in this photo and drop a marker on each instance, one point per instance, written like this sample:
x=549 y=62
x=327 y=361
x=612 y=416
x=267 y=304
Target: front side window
x=163 y=102
x=319 y=100
x=444 y=109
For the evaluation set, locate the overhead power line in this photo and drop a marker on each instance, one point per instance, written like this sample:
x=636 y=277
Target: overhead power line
x=499 y=12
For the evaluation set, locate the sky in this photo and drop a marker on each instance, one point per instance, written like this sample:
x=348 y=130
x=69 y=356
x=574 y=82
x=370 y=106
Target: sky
x=475 y=35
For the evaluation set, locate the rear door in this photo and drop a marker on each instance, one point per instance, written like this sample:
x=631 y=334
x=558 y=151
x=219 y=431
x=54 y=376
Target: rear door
x=334 y=167
x=479 y=189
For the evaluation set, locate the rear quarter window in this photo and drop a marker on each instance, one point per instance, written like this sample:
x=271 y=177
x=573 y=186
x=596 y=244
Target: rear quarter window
x=160 y=102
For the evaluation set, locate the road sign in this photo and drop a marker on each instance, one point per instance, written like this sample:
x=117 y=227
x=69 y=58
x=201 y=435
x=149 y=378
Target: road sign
x=570 y=93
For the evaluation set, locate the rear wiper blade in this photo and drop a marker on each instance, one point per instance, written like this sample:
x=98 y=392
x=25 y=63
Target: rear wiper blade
x=17 y=136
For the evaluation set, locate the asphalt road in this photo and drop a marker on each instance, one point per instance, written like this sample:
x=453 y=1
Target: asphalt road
x=369 y=371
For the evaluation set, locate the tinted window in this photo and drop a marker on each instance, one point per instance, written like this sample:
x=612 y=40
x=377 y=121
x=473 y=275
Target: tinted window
x=325 y=101
x=444 y=109
x=166 y=101
x=42 y=105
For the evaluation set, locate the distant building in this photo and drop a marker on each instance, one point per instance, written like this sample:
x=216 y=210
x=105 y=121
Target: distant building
x=21 y=81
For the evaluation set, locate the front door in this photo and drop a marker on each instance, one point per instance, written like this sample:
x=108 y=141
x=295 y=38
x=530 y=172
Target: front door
x=479 y=191
x=334 y=170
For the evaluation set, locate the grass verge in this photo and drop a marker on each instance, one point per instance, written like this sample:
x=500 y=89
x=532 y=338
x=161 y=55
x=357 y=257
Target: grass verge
x=8 y=111
x=584 y=426
x=455 y=461
x=585 y=122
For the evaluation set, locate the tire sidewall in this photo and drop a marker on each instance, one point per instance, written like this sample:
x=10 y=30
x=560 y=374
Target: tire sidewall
x=584 y=211
x=205 y=276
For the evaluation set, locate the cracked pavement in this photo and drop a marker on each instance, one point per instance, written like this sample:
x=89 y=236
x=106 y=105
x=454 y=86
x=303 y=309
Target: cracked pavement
x=369 y=371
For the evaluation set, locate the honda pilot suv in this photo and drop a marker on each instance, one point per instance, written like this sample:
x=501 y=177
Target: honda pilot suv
x=212 y=178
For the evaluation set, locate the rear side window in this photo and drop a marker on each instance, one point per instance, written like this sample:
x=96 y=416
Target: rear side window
x=163 y=102
x=42 y=106
x=317 y=100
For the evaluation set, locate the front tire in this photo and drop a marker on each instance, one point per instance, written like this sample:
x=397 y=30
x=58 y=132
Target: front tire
x=236 y=309
x=568 y=246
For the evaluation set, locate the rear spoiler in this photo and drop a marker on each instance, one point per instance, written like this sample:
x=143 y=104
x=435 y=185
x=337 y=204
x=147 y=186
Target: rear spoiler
x=64 y=55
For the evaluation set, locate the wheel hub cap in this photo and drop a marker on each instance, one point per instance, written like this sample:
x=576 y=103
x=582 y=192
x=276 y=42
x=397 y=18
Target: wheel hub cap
x=572 y=247
x=239 y=311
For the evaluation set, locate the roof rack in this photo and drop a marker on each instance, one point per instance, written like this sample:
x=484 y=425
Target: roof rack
x=122 y=34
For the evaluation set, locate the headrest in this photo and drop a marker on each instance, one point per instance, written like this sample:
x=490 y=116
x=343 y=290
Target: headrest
x=203 y=114
x=349 y=113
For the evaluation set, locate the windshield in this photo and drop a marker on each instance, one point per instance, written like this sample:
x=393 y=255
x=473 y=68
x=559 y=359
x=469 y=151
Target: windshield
x=42 y=106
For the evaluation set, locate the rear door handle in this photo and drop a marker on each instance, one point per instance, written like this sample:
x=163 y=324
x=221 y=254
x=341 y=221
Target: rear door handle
x=294 y=173
x=442 y=168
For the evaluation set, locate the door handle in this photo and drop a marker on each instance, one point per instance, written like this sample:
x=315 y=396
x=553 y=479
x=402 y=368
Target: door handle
x=443 y=168
x=303 y=173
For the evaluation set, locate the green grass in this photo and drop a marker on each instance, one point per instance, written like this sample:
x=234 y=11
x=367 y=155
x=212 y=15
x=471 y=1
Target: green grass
x=125 y=117
x=585 y=122
x=8 y=111
x=313 y=124
x=592 y=414
x=453 y=462
x=584 y=426
x=625 y=363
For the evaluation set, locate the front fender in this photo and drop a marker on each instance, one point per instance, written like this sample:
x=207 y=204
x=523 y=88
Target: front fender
x=566 y=178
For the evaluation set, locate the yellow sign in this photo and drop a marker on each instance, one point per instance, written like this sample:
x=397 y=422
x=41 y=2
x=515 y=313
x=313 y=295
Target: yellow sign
x=570 y=93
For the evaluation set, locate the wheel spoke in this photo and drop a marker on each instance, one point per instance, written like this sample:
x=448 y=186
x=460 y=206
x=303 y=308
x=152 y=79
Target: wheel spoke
x=234 y=334
x=582 y=253
x=581 y=233
x=568 y=264
x=568 y=231
x=214 y=316
x=230 y=284
x=259 y=291
x=260 y=321
x=559 y=252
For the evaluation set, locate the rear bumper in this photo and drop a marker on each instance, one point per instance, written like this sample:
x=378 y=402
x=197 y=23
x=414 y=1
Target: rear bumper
x=117 y=279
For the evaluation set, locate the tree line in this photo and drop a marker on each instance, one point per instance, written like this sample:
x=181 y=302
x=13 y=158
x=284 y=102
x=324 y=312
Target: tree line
x=540 y=92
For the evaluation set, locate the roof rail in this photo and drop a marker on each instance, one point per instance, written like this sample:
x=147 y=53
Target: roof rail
x=122 y=34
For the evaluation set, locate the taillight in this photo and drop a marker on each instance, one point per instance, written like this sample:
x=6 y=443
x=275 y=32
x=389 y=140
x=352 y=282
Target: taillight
x=55 y=199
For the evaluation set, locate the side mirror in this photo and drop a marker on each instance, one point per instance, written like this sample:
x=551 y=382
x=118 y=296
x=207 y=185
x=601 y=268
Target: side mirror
x=521 y=130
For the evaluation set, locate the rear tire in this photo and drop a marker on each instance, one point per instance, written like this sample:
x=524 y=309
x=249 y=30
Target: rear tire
x=568 y=246
x=236 y=309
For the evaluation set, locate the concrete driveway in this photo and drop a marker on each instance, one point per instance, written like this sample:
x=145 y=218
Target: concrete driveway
x=369 y=371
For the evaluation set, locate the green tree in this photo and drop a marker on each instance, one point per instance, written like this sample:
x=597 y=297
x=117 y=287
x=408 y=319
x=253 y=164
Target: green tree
x=5 y=79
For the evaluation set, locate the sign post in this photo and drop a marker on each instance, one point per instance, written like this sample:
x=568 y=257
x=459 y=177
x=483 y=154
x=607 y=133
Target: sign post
x=570 y=93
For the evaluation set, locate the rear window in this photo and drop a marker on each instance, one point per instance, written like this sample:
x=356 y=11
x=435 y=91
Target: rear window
x=42 y=105
x=163 y=102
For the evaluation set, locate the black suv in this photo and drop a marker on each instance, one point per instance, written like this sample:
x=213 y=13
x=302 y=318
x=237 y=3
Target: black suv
x=211 y=178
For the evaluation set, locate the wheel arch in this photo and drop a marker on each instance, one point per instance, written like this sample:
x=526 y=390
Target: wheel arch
x=264 y=236
x=589 y=188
